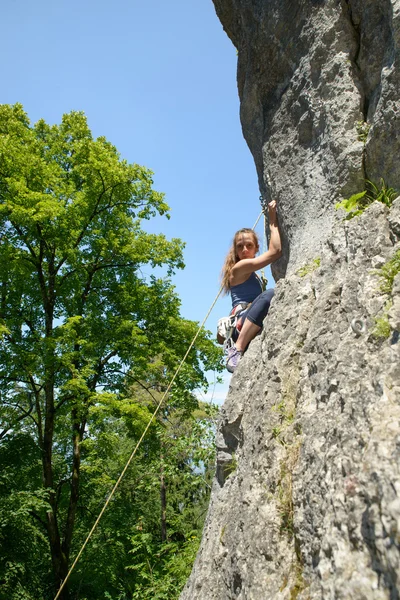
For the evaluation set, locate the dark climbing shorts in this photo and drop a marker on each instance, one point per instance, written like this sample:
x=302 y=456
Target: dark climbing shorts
x=257 y=312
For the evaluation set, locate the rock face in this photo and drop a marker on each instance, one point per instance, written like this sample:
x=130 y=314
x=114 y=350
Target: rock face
x=319 y=85
x=306 y=502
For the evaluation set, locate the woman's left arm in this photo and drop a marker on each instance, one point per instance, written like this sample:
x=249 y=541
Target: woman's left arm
x=275 y=245
x=242 y=269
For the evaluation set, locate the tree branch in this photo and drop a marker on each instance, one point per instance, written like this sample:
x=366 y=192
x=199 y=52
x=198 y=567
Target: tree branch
x=21 y=235
x=36 y=392
x=85 y=227
x=156 y=402
x=42 y=239
x=35 y=516
x=14 y=379
x=89 y=281
x=18 y=419
x=63 y=401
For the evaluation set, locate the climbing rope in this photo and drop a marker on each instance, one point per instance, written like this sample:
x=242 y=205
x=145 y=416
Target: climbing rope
x=141 y=438
x=258 y=218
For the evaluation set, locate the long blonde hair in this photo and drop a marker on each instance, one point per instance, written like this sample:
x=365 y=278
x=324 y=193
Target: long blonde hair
x=232 y=258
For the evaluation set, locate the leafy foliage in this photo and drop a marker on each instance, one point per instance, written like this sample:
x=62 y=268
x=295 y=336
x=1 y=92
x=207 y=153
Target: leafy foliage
x=388 y=272
x=362 y=128
x=352 y=205
x=127 y=558
x=79 y=321
x=382 y=326
x=24 y=549
x=356 y=204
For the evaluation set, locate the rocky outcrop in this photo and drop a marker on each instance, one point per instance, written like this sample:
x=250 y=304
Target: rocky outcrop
x=319 y=84
x=306 y=502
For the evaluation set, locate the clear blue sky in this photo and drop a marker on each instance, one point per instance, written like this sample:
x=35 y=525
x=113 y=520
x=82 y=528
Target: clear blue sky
x=158 y=79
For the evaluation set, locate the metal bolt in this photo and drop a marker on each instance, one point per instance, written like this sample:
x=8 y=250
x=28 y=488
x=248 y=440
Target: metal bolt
x=358 y=326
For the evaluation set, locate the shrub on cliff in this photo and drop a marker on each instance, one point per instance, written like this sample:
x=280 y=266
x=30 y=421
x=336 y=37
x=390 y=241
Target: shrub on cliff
x=357 y=203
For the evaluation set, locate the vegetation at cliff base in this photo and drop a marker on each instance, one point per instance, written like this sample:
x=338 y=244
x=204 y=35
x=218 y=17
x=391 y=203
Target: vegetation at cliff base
x=89 y=339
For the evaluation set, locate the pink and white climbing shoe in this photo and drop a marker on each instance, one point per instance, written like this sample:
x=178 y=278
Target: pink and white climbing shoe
x=234 y=356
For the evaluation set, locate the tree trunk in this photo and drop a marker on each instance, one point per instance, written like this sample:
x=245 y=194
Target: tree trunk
x=77 y=434
x=58 y=558
x=163 y=497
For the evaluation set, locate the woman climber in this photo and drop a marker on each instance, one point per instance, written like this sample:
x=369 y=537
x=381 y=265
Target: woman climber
x=249 y=303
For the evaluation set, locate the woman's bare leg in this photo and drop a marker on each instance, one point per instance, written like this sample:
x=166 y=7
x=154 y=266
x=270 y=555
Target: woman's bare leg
x=247 y=333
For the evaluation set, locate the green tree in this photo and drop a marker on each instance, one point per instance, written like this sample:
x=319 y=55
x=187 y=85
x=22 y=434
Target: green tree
x=127 y=557
x=76 y=311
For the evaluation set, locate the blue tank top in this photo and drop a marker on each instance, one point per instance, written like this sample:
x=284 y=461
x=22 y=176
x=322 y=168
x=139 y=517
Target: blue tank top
x=246 y=291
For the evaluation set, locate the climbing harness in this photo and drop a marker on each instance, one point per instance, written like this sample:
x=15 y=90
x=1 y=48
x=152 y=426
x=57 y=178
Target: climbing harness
x=141 y=438
x=227 y=325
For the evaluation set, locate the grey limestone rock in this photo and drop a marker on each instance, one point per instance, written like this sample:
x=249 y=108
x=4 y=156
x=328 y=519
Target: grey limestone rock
x=306 y=503
x=319 y=87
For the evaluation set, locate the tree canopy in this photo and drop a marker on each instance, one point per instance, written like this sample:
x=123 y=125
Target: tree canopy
x=85 y=336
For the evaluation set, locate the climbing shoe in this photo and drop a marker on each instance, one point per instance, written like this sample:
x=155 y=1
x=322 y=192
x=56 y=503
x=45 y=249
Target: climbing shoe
x=232 y=361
